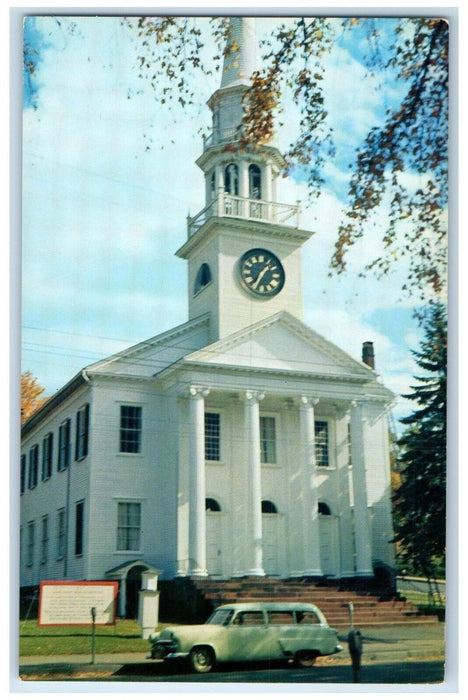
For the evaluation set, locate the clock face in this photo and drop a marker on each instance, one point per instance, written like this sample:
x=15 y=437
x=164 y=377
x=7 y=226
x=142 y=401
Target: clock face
x=261 y=272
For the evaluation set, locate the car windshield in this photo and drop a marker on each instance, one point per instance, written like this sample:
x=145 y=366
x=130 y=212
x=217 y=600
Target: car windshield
x=220 y=617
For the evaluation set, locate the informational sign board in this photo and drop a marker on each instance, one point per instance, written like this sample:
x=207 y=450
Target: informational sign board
x=72 y=602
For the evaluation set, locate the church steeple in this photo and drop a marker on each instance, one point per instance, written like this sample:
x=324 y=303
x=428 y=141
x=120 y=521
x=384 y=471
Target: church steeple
x=241 y=52
x=226 y=103
x=243 y=247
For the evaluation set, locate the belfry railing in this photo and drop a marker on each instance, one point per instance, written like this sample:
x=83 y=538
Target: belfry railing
x=227 y=135
x=227 y=205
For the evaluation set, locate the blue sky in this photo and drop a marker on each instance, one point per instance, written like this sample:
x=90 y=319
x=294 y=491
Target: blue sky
x=103 y=216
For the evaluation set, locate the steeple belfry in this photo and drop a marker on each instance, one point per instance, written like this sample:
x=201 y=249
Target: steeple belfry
x=241 y=52
x=243 y=247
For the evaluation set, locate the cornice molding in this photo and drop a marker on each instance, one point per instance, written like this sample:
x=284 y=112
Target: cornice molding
x=249 y=226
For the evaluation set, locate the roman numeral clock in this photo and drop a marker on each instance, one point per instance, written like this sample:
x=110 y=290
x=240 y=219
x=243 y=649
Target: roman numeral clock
x=261 y=272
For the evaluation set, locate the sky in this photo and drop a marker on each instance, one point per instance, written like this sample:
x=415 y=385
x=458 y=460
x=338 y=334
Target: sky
x=109 y=177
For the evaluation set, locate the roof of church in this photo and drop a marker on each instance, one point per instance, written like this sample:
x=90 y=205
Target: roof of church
x=279 y=344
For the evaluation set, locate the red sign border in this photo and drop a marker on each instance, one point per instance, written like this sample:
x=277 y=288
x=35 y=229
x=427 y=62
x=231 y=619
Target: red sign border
x=43 y=584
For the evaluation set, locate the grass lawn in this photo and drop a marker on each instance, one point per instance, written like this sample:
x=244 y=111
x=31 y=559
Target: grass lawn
x=124 y=636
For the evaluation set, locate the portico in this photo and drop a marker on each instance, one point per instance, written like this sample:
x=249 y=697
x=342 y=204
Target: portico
x=264 y=465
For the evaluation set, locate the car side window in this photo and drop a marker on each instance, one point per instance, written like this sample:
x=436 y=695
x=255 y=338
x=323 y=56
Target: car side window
x=249 y=619
x=307 y=617
x=279 y=617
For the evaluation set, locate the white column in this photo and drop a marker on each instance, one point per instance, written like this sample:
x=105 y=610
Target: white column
x=312 y=564
x=267 y=190
x=244 y=188
x=254 y=554
x=197 y=517
x=220 y=203
x=361 y=518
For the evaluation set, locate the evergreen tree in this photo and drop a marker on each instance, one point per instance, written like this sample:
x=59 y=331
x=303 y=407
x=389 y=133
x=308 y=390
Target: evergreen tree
x=420 y=501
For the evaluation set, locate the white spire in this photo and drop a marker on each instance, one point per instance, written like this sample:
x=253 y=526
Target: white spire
x=241 y=49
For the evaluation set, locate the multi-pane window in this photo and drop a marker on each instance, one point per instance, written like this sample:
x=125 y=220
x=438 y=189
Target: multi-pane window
x=33 y=466
x=212 y=437
x=64 y=445
x=79 y=527
x=128 y=526
x=321 y=443
x=61 y=533
x=47 y=448
x=44 y=539
x=30 y=545
x=23 y=474
x=82 y=431
x=130 y=428
x=267 y=439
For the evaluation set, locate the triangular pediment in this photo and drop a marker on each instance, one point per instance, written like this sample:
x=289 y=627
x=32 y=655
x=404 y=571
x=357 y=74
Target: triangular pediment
x=281 y=343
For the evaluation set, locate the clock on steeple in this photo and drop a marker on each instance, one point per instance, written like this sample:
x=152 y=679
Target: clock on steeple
x=261 y=272
x=243 y=247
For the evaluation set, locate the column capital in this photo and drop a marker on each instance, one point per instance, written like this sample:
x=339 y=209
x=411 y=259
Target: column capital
x=199 y=391
x=356 y=410
x=308 y=401
x=254 y=396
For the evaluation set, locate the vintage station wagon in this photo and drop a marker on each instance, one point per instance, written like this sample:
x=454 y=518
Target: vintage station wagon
x=250 y=632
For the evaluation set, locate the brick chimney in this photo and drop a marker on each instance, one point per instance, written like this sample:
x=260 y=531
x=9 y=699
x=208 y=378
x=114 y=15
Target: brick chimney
x=368 y=354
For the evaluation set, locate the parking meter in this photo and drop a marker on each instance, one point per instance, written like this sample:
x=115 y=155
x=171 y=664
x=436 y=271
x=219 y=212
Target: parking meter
x=93 y=634
x=355 y=650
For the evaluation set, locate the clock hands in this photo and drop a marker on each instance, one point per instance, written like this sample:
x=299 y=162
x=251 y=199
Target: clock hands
x=263 y=271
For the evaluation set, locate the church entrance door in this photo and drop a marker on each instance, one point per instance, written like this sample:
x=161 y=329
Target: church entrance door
x=328 y=532
x=214 y=555
x=270 y=538
x=133 y=587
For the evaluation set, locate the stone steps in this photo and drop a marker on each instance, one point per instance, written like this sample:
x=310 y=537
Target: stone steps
x=369 y=608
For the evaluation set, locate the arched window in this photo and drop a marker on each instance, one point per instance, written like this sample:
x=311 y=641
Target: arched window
x=203 y=277
x=269 y=507
x=323 y=509
x=212 y=505
x=231 y=179
x=255 y=182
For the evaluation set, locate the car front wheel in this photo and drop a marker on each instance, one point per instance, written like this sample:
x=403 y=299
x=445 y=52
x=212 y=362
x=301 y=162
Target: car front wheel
x=158 y=652
x=202 y=659
x=305 y=658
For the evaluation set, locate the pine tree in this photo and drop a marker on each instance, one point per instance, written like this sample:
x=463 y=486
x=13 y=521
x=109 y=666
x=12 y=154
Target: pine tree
x=420 y=501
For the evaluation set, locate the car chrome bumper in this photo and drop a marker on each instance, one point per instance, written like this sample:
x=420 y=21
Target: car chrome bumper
x=177 y=655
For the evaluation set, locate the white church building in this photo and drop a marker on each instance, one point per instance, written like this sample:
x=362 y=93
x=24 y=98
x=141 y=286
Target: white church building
x=239 y=444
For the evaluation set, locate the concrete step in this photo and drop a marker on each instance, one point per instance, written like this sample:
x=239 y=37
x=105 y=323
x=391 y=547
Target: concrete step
x=369 y=609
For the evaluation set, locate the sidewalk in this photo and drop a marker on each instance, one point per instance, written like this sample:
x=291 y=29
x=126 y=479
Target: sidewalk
x=380 y=645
